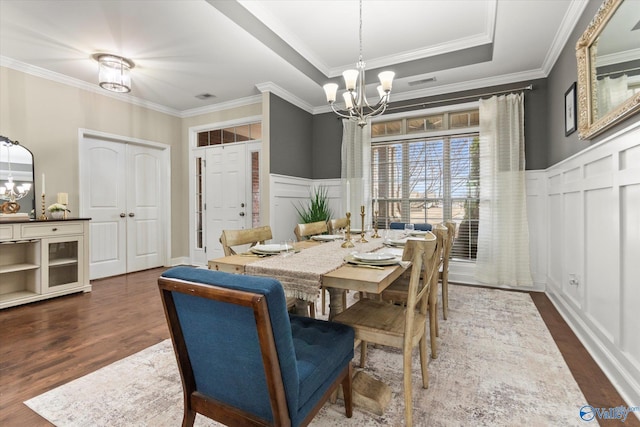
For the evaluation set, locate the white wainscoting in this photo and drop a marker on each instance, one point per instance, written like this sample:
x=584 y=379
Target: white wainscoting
x=593 y=256
x=289 y=192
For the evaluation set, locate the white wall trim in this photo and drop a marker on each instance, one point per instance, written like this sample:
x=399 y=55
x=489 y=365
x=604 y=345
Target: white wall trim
x=593 y=236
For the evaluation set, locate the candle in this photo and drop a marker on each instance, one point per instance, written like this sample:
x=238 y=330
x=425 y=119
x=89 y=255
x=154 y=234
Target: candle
x=43 y=189
x=63 y=198
x=362 y=209
x=348 y=198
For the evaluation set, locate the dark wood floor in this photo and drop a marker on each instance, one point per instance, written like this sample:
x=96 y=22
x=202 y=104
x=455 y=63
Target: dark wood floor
x=47 y=344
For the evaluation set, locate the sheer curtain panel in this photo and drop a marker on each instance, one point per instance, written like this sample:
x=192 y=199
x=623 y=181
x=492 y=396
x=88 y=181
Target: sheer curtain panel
x=503 y=232
x=356 y=171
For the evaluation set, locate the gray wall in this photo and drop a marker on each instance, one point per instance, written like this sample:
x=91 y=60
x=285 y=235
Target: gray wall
x=563 y=74
x=290 y=138
x=327 y=143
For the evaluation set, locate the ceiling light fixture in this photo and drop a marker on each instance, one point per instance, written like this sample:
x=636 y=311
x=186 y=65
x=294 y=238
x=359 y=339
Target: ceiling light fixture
x=114 y=72
x=356 y=106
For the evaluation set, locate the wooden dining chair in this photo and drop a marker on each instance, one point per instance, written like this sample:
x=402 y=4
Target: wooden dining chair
x=248 y=236
x=304 y=231
x=398 y=326
x=337 y=224
x=398 y=291
x=252 y=237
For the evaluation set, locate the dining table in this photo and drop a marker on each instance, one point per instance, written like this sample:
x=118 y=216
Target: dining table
x=316 y=264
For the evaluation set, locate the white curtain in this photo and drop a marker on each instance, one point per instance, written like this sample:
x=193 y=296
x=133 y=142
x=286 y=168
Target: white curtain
x=503 y=232
x=356 y=171
x=612 y=93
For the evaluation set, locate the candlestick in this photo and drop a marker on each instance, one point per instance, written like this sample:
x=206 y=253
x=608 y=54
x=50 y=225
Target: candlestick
x=362 y=239
x=375 y=225
x=43 y=215
x=347 y=238
x=43 y=189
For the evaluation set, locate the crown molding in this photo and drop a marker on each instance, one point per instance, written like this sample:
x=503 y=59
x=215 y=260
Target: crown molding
x=236 y=103
x=286 y=95
x=569 y=22
x=81 y=84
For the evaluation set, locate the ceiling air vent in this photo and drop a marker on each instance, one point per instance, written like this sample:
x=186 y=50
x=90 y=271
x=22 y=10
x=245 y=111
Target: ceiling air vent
x=423 y=81
x=205 y=96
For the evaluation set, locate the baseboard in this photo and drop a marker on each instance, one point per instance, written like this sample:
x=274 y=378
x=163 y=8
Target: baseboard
x=184 y=260
x=620 y=378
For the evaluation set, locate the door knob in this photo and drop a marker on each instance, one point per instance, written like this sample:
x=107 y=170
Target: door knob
x=131 y=214
x=242 y=205
x=122 y=215
x=241 y=213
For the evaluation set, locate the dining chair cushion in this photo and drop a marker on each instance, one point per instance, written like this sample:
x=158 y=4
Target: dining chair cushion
x=417 y=227
x=306 y=347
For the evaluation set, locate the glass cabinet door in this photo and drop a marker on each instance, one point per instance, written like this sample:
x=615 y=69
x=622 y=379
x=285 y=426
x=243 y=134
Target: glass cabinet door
x=61 y=262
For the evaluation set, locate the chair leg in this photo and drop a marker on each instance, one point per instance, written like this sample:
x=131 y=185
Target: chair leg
x=188 y=418
x=312 y=310
x=423 y=362
x=363 y=353
x=408 y=393
x=324 y=300
x=347 y=392
x=445 y=295
x=433 y=322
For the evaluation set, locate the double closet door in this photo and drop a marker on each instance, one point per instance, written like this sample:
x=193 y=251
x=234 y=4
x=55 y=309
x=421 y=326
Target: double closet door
x=124 y=192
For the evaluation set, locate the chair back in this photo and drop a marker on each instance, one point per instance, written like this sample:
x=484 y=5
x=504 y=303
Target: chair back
x=243 y=359
x=417 y=227
x=247 y=360
x=335 y=225
x=423 y=254
x=250 y=236
x=311 y=229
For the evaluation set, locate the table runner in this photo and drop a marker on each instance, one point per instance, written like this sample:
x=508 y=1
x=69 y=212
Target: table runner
x=301 y=273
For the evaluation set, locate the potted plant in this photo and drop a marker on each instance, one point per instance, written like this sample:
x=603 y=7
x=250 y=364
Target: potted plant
x=57 y=210
x=317 y=209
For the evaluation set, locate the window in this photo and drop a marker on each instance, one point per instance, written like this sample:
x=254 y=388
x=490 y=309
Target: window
x=247 y=132
x=429 y=173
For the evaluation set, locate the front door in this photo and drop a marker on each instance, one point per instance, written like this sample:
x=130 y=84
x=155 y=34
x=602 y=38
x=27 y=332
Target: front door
x=225 y=188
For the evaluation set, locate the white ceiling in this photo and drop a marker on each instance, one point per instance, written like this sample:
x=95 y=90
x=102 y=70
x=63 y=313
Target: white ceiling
x=236 y=49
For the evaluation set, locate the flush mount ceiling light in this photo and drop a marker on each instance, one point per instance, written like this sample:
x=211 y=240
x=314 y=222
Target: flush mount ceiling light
x=114 y=72
x=356 y=106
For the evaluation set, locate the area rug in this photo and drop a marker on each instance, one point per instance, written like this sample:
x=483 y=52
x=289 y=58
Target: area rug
x=497 y=366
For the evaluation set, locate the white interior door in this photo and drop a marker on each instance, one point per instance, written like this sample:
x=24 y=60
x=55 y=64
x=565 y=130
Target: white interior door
x=121 y=191
x=144 y=207
x=103 y=199
x=225 y=187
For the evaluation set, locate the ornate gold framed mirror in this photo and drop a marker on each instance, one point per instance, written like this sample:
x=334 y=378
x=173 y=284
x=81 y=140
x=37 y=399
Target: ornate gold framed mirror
x=608 y=55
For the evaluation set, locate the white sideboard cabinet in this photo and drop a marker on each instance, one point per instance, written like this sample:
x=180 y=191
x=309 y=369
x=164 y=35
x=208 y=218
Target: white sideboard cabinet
x=43 y=259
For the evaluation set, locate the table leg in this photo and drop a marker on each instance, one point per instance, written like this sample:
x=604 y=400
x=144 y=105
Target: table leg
x=336 y=301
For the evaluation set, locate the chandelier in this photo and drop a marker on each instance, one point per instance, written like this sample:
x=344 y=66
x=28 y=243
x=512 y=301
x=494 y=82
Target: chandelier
x=114 y=72
x=10 y=191
x=357 y=108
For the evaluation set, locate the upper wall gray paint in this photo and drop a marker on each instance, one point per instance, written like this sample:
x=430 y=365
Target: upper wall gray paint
x=327 y=143
x=563 y=74
x=290 y=139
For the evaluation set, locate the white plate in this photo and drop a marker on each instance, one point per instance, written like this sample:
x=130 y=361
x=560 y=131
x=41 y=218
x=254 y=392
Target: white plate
x=271 y=248
x=352 y=260
x=326 y=237
x=418 y=233
x=396 y=242
x=373 y=256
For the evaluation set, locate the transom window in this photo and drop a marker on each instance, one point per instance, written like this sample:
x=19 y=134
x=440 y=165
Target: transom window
x=228 y=135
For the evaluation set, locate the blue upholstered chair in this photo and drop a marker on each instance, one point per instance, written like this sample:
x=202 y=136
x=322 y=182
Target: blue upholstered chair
x=243 y=359
x=417 y=227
